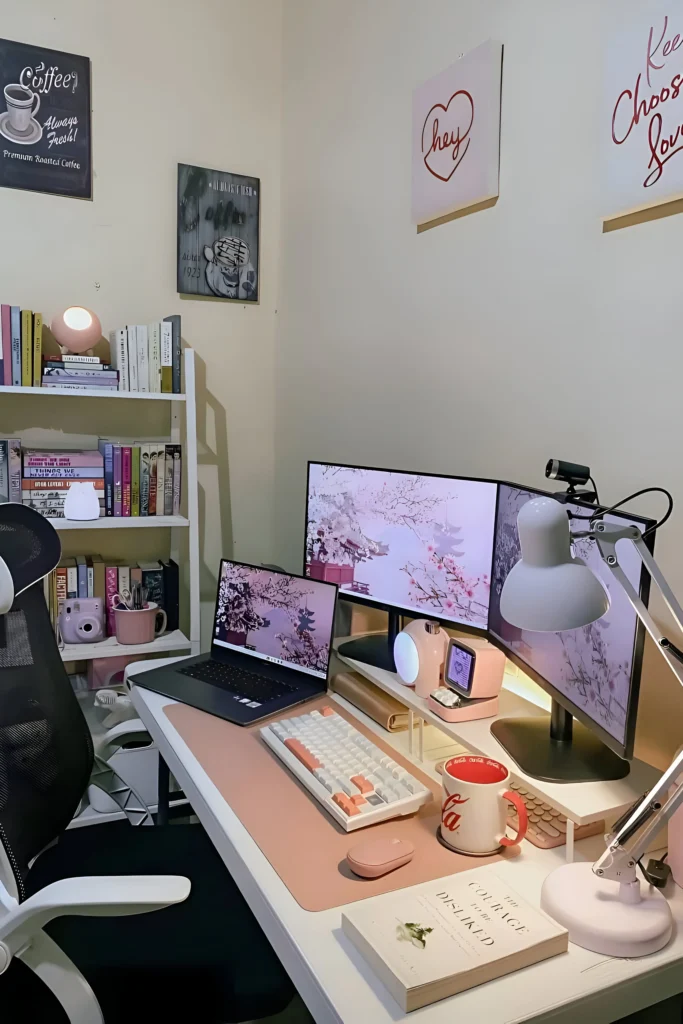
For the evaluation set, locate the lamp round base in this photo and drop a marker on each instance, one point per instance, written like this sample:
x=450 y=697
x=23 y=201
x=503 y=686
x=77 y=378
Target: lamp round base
x=590 y=909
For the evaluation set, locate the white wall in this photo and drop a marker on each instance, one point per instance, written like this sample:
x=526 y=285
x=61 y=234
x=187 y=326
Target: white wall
x=172 y=82
x=492 y=343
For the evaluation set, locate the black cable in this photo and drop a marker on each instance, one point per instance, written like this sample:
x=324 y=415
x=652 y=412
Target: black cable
x=630 y=497
x=595 y=488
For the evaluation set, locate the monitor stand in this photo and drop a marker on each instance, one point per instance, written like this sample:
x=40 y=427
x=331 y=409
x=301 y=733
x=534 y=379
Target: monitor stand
x=376 y=649
x=558 y=749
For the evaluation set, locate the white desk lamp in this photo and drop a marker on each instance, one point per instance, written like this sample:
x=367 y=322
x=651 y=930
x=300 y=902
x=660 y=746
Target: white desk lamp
x=548 y=590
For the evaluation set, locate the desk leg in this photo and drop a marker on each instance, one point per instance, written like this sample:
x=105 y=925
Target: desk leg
x=163 y=797
x=411 y=726
x=421 y=741
x=570 y=841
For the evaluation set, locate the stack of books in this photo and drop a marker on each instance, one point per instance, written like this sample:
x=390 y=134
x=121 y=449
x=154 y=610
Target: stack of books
x=48 y=475
x=147 y=357
x=10 y=469
x=141 y=479
x=21 y=348
x=92 y=576
x=79 y=373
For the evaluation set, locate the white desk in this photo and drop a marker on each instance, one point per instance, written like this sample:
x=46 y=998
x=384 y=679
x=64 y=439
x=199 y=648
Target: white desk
x=334 y=980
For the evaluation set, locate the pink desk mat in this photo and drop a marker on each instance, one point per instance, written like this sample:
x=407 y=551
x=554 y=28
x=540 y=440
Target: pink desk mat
x=303 y=844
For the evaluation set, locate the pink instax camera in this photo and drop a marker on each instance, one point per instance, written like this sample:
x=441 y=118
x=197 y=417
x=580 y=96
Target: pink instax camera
x=81 y=620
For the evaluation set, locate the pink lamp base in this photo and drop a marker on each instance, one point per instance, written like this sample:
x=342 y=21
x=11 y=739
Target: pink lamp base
x=590 y=909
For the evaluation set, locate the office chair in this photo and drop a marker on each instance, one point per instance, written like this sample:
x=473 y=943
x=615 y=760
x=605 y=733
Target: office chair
x=70 y=951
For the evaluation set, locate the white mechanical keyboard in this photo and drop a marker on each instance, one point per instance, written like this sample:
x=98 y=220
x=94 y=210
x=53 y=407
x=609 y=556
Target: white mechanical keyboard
x=355 y=781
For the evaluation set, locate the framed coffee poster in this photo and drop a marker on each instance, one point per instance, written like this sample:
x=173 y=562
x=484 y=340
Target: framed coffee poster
x=45 y=131
x=218 y=234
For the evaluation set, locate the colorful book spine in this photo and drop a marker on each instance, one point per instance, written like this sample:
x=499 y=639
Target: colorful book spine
x=6 y=326
x=154 y=334
x=60 y=575
x=4 y=471
x=171 y=583
x=153 y=452
x=54 y=459
x=135 y=480
x=143 y=357
x=52 y=382
x=15 y=322
x=82 y=567
x=26 y=348
x=107 y=451
x=168 y=480
x=118 y=347
x=58 y=484
x=125 y=480
x=91 y=576
x=161 y=479
x=132 y=336
x=118 y=480
x=177 y=478
x=111 y=583
x=175 y=334
x=65 y=472
x=167 y=357
x=71 y=578
x=144 y=479
x=14 y=468
x=37 y=348
x=99 y=589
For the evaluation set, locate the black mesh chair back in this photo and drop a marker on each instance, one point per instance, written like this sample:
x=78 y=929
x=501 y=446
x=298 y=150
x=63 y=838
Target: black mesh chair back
x=29 y=544
x=46 y=753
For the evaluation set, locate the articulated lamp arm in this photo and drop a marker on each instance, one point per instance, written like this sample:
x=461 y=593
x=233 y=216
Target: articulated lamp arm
x=619 y=861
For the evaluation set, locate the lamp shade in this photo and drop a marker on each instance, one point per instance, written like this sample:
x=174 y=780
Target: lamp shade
x=548 y=591
x=76 y=329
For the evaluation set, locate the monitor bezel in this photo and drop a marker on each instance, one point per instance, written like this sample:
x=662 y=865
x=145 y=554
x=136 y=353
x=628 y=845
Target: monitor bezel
x=406 y=611
x=219 y=649
x=623 y=750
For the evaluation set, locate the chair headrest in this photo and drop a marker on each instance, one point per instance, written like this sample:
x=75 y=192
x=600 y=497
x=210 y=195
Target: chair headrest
x=29 y=549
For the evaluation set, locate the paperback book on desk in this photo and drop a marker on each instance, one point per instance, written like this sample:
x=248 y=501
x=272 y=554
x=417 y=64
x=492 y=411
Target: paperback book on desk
x=442 y=938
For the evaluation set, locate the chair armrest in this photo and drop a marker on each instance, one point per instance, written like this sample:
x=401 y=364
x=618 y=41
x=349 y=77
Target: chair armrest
x=98 y=896
x=114 y=738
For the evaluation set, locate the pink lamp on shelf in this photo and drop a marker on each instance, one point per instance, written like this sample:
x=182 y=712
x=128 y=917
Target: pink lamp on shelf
x=77 y=329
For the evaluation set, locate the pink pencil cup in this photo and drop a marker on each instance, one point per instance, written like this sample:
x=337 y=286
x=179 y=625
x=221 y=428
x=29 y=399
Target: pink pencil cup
x=139 y=627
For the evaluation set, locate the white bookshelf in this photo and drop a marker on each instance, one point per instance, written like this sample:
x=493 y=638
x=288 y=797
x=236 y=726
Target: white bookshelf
x=121 y=523
x=184 y=540
x=91 y=393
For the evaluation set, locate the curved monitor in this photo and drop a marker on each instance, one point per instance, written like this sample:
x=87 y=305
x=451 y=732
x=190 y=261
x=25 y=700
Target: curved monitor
x=420 y=543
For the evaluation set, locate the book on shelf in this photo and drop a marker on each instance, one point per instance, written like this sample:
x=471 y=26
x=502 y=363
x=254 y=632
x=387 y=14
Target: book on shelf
x=15 y=327
x=167 y=357
x=135 y=480
x=125 y=479
x=143 y=357
x=26 y=348
x=52 y=383
x=154 y=334
x=144 y=479
x=64 y=472
x=106 y=449
x=168 y=486
x=61 y=485
x=176 y=456
x=132 y=340
x=118 y=346
x=71 y=458
x=4 y=470
x=124 y=578
x=174 y=321
x=441 y=938
x=153 y=452
x=153 y=580
x=6 y=327
x=118 y=480
x=37 y=348
x=171 y=585
x=14 y=468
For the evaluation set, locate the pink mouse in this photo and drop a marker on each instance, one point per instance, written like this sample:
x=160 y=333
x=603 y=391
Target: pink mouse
x=376 y=857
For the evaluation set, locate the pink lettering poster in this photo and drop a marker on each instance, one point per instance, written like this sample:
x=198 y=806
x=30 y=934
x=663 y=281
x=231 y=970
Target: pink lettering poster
x=642 y=123
x=456 y=135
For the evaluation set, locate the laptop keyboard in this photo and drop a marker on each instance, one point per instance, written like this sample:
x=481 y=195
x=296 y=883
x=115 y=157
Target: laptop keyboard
x=238 y=681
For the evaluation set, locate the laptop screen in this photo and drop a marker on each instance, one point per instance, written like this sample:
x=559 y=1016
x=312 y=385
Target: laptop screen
x=276 y=617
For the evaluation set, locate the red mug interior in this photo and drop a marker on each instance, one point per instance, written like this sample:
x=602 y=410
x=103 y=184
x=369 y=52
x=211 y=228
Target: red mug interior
x=481 y=771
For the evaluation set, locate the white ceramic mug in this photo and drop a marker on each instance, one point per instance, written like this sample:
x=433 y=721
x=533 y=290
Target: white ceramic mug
x=20 y=106
x=474 y=806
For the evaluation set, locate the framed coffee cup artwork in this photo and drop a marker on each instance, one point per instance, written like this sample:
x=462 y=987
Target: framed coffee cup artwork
x=218 y=234
x=45 y=120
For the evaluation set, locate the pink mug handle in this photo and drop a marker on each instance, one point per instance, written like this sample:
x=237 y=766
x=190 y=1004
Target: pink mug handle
x=516 y=799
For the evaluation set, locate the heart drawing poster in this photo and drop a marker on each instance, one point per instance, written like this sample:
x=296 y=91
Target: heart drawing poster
x=456 y=135
x=642 y=113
